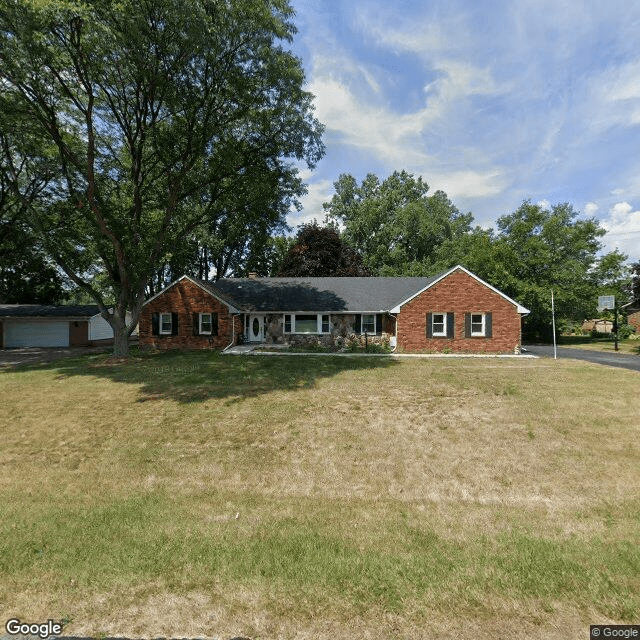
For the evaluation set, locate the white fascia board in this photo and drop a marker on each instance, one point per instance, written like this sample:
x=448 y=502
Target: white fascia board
x=224 y=302
x=324 y=313
x=520 y=309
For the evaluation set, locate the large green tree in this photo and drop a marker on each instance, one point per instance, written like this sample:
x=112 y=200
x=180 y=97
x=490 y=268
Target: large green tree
x=540 y=249
x=396 y=226
x=155 y=119
x=319 y=251
x=26 y=275
x=613 y=276
x=634 y=286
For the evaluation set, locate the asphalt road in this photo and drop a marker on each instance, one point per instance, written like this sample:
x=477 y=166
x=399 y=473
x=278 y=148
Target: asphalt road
x=610 y=359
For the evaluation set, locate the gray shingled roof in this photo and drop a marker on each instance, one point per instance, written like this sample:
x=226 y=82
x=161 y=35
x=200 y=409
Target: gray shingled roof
x=317 y=294
x=47 y=311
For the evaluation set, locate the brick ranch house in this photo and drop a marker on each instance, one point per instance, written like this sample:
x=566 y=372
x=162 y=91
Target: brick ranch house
x=454 y=311
x=632 y=309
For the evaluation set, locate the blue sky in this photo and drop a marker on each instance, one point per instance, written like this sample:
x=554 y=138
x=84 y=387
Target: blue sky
x=493 y=102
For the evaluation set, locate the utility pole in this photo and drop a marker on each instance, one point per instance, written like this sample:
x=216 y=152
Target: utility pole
x=553 y=327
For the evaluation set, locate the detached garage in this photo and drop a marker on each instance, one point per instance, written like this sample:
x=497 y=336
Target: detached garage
x=32 y=325
x=100 y=331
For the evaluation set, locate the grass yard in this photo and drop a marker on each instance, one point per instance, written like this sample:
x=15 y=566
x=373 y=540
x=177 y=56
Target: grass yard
x=196 y=494
x=600 y=344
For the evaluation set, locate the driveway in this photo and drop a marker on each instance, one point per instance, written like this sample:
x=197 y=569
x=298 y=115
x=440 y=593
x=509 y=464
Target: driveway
x=33 y=355
x=624 y=360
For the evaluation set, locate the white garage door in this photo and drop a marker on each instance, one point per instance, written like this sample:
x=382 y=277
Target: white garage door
x=36 y=334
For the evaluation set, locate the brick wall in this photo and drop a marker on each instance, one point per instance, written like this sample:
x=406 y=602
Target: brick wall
x=461 y=294
x=187 y=299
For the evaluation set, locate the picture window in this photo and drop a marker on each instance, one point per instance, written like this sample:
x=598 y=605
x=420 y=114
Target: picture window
x=306 y=323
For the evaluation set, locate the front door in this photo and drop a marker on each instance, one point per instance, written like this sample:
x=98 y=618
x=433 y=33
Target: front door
x=256 y=329
x=78 y=333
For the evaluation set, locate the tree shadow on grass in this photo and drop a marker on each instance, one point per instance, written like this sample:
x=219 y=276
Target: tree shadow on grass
x=196 y=376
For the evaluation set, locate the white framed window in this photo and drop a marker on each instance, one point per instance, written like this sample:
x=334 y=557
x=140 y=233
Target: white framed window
x=439 y=325
x=306 y=323
x=478 y=324
x=166 y=324
x=205 y=323
x=368 y=323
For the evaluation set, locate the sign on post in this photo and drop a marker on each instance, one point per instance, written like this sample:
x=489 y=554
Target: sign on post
x=606 y=302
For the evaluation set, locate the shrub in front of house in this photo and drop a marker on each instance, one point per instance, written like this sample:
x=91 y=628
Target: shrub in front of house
x=625 y=331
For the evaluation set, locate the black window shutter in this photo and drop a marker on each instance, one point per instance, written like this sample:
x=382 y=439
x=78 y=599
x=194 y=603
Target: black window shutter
x=488 y=325
x=174 y=324
x=196 y=324
x=379 y=324
x=429 y=327
x=214 y=324
x=467 y=325
x=155 y=324
x=357 y=327
x=451 y=327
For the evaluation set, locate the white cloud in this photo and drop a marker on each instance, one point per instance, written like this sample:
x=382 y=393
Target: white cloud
x=339 y=64
x=590 y=209
x=623 y=229
x=468 y=184
x=624 y=85
x=319 y=192
x=615 y=96
x=399 y=140
x=418 y=34
x=361 y=124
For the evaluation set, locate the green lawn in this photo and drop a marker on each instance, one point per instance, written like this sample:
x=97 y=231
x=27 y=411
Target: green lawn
x=600 y=344
x=218 y=496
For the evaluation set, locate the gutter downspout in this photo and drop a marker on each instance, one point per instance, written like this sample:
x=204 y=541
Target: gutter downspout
x=396 y=347
x=233 y=331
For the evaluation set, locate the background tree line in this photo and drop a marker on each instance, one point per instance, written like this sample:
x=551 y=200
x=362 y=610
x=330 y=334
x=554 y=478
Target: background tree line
x=398 y=229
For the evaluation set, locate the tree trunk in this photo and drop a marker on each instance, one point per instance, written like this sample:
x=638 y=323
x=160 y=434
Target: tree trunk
x=120 y=339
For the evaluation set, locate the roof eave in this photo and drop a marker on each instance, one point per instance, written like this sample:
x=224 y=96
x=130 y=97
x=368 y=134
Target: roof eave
x=231 y=308
x=520 y=309
x=76 y=318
